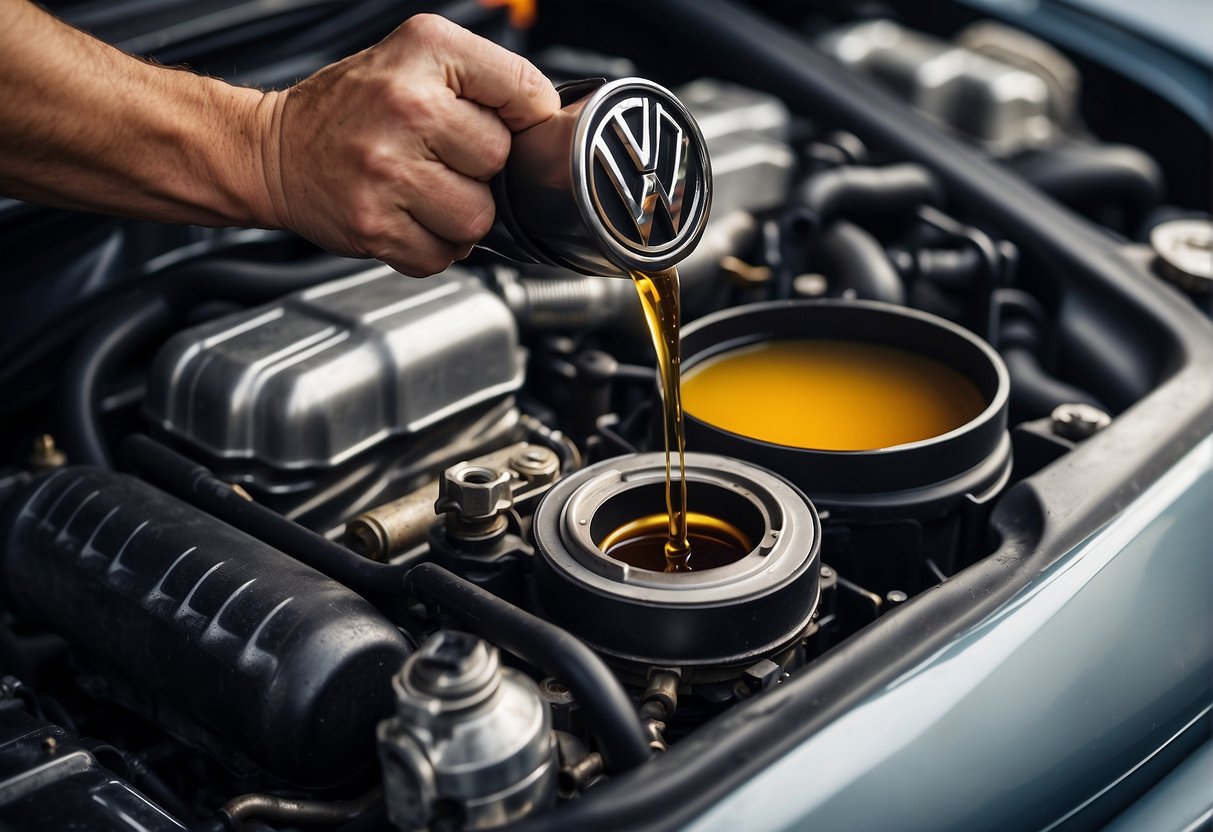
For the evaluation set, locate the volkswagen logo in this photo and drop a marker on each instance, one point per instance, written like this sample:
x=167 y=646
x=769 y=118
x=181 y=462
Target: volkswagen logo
x=617 y=181
x=643 y=172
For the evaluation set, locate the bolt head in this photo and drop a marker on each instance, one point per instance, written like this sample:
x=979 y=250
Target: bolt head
x=1078 y=421
x=1185 y=248
x=450 y=665
x=536 y=464
x=810 y=285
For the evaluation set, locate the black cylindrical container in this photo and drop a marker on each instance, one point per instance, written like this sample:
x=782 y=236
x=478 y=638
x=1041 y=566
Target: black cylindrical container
x=704 y=622
x=287 y=666
x=897 y=517
x=920 y=480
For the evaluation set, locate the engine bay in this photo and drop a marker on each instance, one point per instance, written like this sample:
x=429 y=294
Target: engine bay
x=288 y=540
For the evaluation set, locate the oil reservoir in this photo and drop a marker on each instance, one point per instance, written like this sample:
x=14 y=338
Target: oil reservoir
x=892 y=420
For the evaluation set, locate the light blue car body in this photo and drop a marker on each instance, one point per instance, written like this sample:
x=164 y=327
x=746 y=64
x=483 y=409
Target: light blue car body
x=1092 y=683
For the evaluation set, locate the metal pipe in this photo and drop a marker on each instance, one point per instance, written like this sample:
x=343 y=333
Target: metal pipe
x=274 y=809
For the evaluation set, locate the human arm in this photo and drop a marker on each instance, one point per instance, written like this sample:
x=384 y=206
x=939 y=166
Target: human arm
x=384 y=154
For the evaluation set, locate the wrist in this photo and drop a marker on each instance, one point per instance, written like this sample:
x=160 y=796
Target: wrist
x=252 y=165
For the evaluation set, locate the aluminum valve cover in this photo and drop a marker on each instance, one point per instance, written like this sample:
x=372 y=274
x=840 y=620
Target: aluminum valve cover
x=319 y=375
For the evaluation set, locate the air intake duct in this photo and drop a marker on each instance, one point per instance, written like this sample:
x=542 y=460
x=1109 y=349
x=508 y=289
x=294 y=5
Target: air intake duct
x=228 y=642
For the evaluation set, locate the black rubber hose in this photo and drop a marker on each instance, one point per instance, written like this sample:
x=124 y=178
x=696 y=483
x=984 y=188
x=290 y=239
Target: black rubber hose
x=945 y=267
x=379 y=583
x=851 y=258
x=1035 y=393
x=850 y=189
x=1090 y=176
x=102 y=349
x=138 y=320
x=250 y=281
x=609 y=712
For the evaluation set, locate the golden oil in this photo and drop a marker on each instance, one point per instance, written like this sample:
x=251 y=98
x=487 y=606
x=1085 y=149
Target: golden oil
x=658 y=293
x=642 y=543
x=834 y=395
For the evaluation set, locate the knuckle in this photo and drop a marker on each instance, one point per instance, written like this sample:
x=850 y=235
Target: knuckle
x=431 y=30
x=479 y=221
x=529 y=80
x=369 y=229
x=423 y=25
x=409 y=102
x=497 y=149
x=377 y=159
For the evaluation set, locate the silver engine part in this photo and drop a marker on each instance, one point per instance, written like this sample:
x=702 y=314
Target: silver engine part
x=471 y=745
x=1184 y=248
x=391 y=528
x=320 y=375
x=1007 y=108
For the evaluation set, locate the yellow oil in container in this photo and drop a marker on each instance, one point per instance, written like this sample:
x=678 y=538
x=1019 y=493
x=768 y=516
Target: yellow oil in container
x=827 y=394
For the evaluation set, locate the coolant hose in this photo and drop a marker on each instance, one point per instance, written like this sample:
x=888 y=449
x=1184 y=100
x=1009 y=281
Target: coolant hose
x=851 y=189
x=851 y=258
x=609 y=712
x=1035 y=393
x=285 y=810
x=1087 y=176
x=103 y=348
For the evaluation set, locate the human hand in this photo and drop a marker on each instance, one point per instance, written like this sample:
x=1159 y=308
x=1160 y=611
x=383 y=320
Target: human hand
x=386 y=154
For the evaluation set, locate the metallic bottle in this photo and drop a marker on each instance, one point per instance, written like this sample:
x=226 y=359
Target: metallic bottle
x=618 y=180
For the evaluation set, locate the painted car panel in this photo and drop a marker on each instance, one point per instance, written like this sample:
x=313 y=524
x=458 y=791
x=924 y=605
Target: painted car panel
x=1031 y=714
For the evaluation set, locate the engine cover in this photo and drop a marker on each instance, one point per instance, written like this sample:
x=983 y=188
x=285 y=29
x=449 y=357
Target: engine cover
x=313 y=379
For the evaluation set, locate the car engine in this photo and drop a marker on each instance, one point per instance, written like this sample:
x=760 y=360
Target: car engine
x=290 y=541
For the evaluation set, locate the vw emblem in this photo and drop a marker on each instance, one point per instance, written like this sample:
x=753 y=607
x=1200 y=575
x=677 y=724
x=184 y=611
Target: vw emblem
x=645 y=172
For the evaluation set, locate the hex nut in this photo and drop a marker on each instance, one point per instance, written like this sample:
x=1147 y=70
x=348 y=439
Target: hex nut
x=474 y=492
